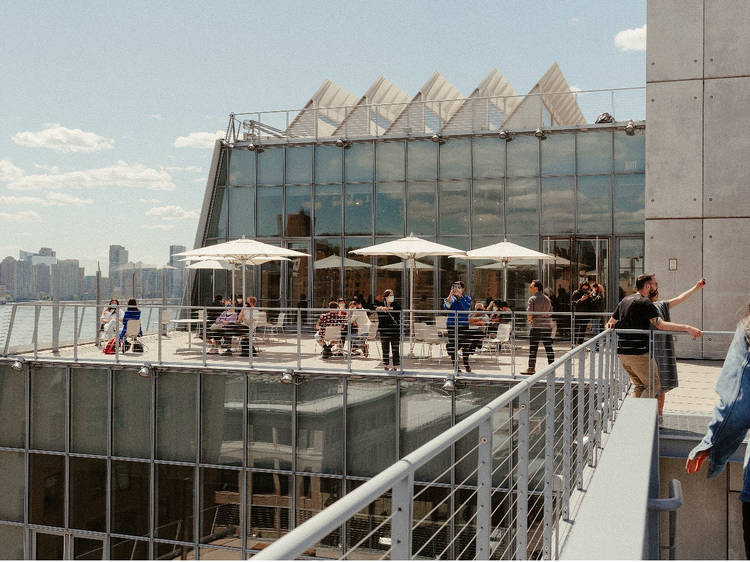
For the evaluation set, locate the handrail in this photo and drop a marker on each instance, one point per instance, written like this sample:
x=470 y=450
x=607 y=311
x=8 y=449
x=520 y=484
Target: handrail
x=291 y=545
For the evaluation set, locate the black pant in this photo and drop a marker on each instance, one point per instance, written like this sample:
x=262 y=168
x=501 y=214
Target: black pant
x=581 y=323
x=389 y=341
x=465 y=340
x=535 y=335
x=746 y=527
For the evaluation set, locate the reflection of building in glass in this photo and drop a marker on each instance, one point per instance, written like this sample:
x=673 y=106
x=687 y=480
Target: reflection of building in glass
x=576 y=191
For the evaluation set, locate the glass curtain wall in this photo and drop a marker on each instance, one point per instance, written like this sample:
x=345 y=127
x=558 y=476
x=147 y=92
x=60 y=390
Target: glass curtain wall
x=466 y=192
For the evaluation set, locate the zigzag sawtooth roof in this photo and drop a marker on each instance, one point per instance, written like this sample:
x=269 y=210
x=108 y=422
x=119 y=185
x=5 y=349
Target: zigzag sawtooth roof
x=438 y=107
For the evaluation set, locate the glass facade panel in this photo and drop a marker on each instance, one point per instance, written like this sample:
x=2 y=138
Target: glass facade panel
x=269 y=423
x=241 y=212
x=320 y=420
x=220 y=501
x=299 y=164
x=630 y=201
x=269 y=211
x=358 y=162
x=130 y=497
x=421 y=160
x=421 y=208
x=327 y=279
x=328 y=163
x=271 y=166
x=131 y=429
x=13 y=469
x=357 y=277
x=48 y=546
x=391 y=277
x=314 y=494
x=48 y=389
x=522 y=200
x=451 y=270
x=89 y=397
x=558 y=204
x=594 y=204
x=298 y=270
x=174 y=502
x=128 y=549
x=455 y=159
x=594 y=151
x=558 y=155
x=425 y=414
x=12 y=408
x=630 y=152
x=47 y=490
x=358 y=209
x=298 y=210
x=370 y=426
x=221 y=418
x=242 y=167
x=389 y=209
x=11 y=542
x=175 y=416
x=217 y=220
x=523 y=156
x=268 y=506
x=85 y=548
x=487 y=207
x=454 y=207
x=88 y=494
x=389 y=161
x=171 y=551
x=489 y=157
x=327 y=210
x=630 y=265
x=270 y=284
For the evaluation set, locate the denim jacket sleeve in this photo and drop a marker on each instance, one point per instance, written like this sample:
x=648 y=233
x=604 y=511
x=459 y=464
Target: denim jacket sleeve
x=731 y=417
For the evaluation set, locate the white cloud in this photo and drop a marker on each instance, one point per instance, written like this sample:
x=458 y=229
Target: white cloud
x=61 y=139
x=575 y=20
x=171 y=213
x=157 y=116
x=21 y=216
x=631 y=39
x=8 y=171
x=198 y=140
x=121 y=174
x=190 y=169
x=150 y=201
x=51 y=199
x=158 y=226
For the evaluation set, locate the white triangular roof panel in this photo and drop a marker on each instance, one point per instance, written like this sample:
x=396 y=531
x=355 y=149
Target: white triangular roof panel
x=487 y=106
x=430 y=109
x=375 y=111
x=323 y=113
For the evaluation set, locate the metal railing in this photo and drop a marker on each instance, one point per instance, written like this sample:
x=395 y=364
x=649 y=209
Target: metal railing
x=514 y=466
x=448 y=116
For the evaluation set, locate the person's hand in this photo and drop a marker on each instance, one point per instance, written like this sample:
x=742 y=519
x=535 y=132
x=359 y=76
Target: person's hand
x=695 y=333
x=694 y=465
x=700 y=283
x=611 y=323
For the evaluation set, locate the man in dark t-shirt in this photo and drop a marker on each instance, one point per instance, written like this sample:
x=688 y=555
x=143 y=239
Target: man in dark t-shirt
x=637 y=312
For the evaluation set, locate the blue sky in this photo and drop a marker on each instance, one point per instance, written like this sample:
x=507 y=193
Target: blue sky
x=95 y=95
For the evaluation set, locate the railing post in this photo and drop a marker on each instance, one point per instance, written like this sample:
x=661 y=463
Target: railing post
x=549 y=462
x=401 y=518
x=592 y=405
x=567 y=426
x=205 y=337
x=513 y=344
x=36 y=329
x=75 y=332
x=299 y=338
x=349 y=341
x=600 y=399
x=252 y=333
x=158 y=340
x=10 y=329
x=580 y=426
x=484 y=488
x=522 y=476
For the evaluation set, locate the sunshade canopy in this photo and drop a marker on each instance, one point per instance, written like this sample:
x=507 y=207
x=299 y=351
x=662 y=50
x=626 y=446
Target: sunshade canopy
x=411 y=247
x=243 y=249
x=419 y=265
x=504 y=252
x=334 y=261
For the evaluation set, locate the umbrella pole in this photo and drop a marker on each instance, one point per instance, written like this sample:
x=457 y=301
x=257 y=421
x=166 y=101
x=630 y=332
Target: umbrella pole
x=213 y=284
x=411 y=306
x=243 y=284
x=233 y=276
x=505 y=280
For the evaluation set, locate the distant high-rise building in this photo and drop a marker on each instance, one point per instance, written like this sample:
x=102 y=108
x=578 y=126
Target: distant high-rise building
x=174 y=261
x=118 y=256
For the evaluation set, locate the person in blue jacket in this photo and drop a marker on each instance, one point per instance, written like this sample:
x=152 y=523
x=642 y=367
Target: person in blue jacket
x=731 y=420
x=132 y=313
x=458 y=338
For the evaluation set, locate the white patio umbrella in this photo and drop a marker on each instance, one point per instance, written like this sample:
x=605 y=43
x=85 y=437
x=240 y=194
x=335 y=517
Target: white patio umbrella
x=244 y=251
x=210 y=264
x=334 y=262
x=504 y=252
x=410 y=249
x=418 y=265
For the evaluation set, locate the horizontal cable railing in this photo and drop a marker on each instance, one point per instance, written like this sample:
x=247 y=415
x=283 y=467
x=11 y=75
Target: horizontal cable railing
x=475 y=115
x=515 y=464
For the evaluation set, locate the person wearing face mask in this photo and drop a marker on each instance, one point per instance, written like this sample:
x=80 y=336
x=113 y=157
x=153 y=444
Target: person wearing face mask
x=637 y=312
x=664 y=343
x=459 y=336
x=389 y=328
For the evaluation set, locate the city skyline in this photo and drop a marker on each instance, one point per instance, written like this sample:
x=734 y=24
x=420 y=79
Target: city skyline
x=112 y=145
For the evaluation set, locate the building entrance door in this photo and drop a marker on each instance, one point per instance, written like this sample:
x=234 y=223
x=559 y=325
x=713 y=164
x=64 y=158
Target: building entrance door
x=62 y=545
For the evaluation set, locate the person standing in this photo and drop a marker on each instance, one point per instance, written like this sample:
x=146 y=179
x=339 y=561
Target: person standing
x=541 y=325
x=389 y=327
x=581 y=306
x=457 y=325
x=637 y=312
x=664 y=343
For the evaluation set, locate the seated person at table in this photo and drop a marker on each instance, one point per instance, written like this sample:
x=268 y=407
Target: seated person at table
x=478 y=322
x=108 y=319
x=499 y=312
x=330 y=318
x=217 y=330
x=244 y=317
x=132 y=313
x=358 y=333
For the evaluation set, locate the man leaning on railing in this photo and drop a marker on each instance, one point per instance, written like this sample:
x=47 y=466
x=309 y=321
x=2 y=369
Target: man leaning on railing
x=637 y=312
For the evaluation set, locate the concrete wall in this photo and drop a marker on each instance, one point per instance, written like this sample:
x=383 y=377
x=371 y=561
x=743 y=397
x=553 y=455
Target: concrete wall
x=697 y=147
x=709 y=524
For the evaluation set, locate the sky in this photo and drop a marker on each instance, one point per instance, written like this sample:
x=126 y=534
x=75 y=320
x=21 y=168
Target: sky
x=108 y=110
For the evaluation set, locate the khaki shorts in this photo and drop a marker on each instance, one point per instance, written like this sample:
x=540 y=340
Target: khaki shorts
x=637 y=367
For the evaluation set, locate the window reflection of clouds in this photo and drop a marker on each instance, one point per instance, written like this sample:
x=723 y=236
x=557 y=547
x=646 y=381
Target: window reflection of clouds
x=269 y=210
x=241 y=212
x=454 y=207
x=241 y=167
x=389 y=161
x=594 y=152
x=630 y=152
x=455 y=159
x=271 y=166
x=422 y=164
x=489 y=157
x=358 y=208
x=523 y=202
x=630 y=195
x=389 y=209
x=523 y=156
x=358 y=161
x=594 y=204
x=298 y=164
x=558 y=155
x=420 y=201
x=558 y=203
x=328 y=163
x=487 y=207
x=327 y=210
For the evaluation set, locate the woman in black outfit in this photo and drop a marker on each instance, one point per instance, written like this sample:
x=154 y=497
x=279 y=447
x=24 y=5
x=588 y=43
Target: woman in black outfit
x=389 y=327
